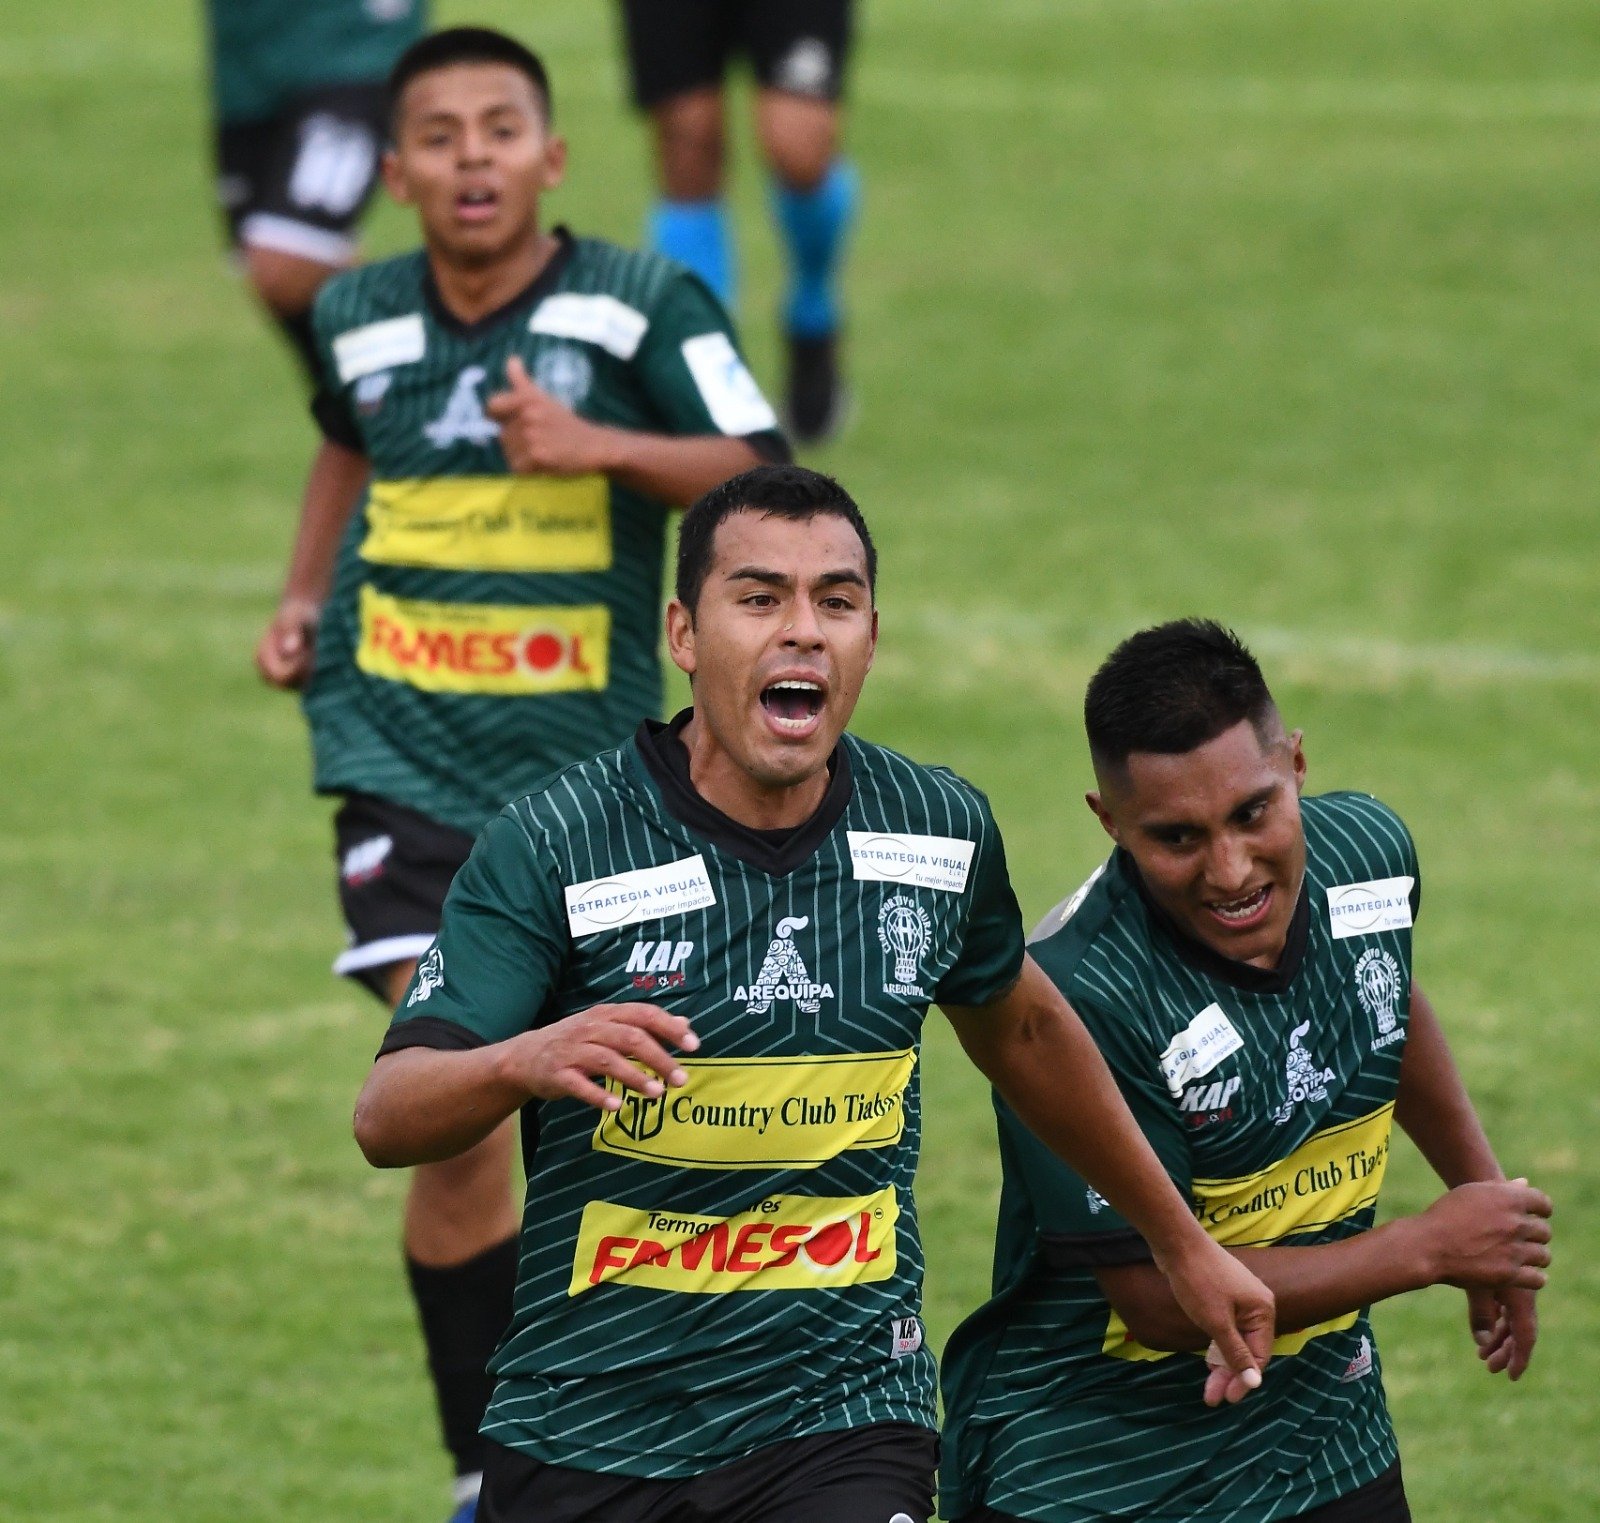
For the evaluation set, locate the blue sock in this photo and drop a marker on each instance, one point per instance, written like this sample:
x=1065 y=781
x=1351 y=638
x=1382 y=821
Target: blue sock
x=814 y=224
x=695 y=233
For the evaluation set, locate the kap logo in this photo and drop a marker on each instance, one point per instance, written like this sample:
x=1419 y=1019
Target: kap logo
x=463 y=416
x=904 y=933
x=659 y=964
x=1378 y=989
x=783 y=974
x=1207 y=1103
x=1302 y=1079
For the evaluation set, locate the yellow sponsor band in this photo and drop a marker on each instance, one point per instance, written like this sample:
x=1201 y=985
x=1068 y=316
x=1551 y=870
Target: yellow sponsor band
x=491 y=523
x=763 y=1113
x=486 y=648
x=1328 y=1178
x=786 y=1242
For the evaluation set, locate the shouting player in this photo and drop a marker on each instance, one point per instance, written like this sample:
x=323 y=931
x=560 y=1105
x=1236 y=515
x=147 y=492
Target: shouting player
x=678 y=54
x=515 y=410
x=1244 y=962
x=709 y=955
x=300 y=98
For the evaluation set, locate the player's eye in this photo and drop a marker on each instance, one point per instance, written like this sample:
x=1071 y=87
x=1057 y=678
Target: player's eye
x=761 y=600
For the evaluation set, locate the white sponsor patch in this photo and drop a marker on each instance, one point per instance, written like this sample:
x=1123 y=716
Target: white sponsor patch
x=1362 y=909
x=1196 y=1050
x=907 y=1336
x=879 y=856
x=726 y=387
x=396 y=341
x=602 y=320
x=646 y=893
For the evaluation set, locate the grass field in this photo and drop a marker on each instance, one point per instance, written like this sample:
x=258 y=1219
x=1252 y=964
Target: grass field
x=1280 y=312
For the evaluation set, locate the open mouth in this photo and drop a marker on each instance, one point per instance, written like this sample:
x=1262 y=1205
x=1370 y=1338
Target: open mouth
x=1247 y=911
x=793 y=705
x=476 y=205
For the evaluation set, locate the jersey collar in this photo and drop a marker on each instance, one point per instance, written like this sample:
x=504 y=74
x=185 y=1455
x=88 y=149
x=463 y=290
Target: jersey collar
x=540 y=286
x=1207 y=960
x=776 y=852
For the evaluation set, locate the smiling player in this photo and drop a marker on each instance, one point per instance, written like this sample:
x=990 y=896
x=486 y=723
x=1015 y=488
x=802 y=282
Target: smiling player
x=511 y=413
x=717 y=1313
x=1244 y=962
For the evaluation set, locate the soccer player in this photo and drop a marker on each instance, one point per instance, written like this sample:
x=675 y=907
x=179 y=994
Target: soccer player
x=678 y=54
x=1244 y=962
x=516 y=410
x=708 y=955
x=301 y=114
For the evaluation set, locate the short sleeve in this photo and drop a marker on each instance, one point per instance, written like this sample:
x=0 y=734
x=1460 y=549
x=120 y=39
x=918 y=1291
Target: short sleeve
x=690 y=367
x=330 y=405
x=1078 y=1226
x=993 y=945
x=501 y=948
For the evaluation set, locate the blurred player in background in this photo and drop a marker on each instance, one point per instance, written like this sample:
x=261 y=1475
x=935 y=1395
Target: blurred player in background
x=1243 y=961
x=300 y=107
x=528 y=406
x=678 y=55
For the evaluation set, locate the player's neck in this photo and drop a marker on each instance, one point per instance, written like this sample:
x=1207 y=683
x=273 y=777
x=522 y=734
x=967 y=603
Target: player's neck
x=470 y=292
x=720 y=780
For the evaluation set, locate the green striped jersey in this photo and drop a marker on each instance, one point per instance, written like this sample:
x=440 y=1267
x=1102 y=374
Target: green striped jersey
x=485 y=628
x=1268 y=1095
x=265 y=52
x=735 y=1263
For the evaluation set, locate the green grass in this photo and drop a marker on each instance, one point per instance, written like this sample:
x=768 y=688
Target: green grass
x=1278 y=312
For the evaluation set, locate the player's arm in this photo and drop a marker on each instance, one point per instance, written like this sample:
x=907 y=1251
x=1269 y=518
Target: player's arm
x=1037 y=1054
x=541 y=436
x=1477 y=1235
x=1438 y=1115
x=286 y=648
x=422 y=1104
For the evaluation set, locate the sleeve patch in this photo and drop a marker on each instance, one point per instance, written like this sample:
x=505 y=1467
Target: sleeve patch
x=378 y=346
x=603 y=320
x=1363 y=909
x=726 y=386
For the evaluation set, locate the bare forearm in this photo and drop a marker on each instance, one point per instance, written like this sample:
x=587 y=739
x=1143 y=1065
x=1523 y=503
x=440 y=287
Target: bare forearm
x=332 y=491
x=419 y=1105
x=1433 y=1106
x=672 y=469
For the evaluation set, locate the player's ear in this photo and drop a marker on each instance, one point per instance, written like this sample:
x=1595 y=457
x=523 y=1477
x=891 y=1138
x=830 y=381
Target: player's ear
x=1098 y=809
x=1297 y=760
x=555 y=164
x=394 y=177
x=680 y=637
x=872 y=649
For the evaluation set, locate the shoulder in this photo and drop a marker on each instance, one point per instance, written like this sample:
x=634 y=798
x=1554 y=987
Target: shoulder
x=1095 y=944
x=572 y=799
x=887 y=782
x=1355 y=835
x=634 y=288
x=373 y=317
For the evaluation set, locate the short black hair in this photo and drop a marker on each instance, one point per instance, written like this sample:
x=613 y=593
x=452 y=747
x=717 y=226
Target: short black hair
x=467 y=44
x=780 y=491
x=1172 y=688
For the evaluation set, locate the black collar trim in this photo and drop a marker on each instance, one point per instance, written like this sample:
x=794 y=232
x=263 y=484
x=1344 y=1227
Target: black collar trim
x=776 y=852
x=536 y=289
x=1207 y=960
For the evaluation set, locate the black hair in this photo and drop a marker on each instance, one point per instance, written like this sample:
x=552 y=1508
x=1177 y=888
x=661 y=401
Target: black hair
x=467 y=44
x=1172 y=688
x=779 y=491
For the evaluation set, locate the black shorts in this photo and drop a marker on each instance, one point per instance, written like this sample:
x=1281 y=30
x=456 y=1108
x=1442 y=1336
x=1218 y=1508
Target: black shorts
x=395 y=867
x=797 y=46
x=1380 y=1501
x=879 y=1474
x=299 y=181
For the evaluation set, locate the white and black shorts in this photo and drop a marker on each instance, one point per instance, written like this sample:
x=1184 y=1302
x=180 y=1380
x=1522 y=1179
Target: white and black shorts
x=298 y=181
x=395 y=867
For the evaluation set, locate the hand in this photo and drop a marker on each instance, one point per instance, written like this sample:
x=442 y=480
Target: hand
x=1223 y=1299
x=288 y=645
x=1488 y=1235
x=1505 y=1326
x=538 y=436
x=622 y=1042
